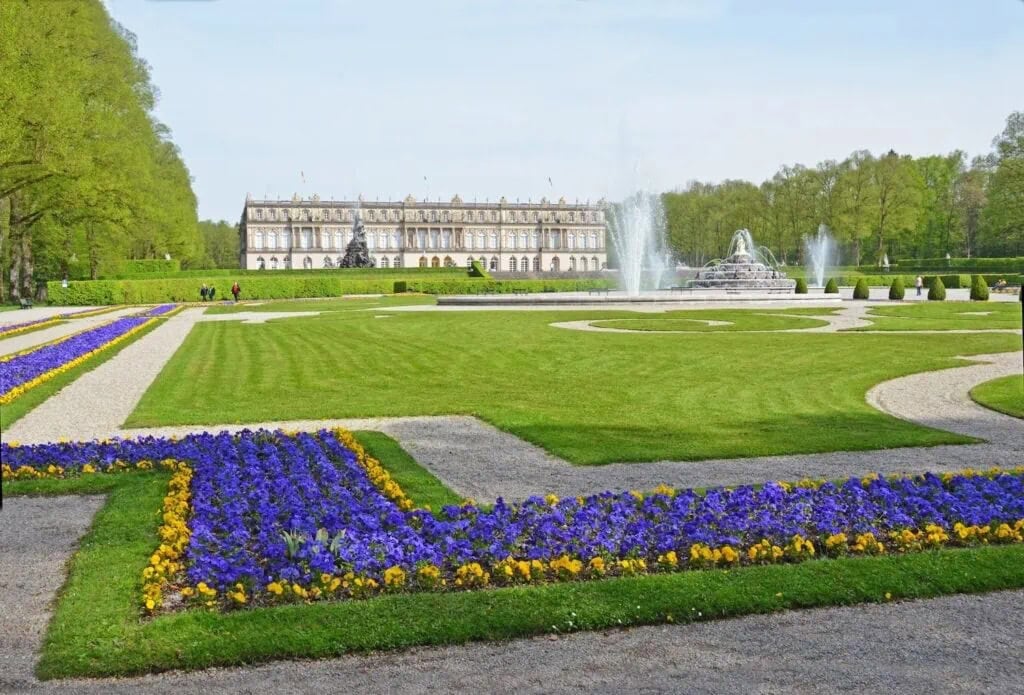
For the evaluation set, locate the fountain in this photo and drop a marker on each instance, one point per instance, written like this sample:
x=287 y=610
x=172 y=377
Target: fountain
x=746 y=267
x=637 y=230
x=357 y=255
x=819 y=251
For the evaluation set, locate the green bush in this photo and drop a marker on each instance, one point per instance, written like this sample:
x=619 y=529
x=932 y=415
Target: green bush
x=477 y=270
x=489 y=286
x=896 y=290
x=401 y=286
x=937 y=290
x=831 y=287
x=860 y=290
x=147 y=267
x=979 y=290
x=801 y=286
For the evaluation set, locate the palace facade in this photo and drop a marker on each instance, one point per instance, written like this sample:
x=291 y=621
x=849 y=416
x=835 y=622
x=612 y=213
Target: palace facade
x=503 y=236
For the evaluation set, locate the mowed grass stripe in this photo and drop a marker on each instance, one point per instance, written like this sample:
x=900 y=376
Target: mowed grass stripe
x=588 y=397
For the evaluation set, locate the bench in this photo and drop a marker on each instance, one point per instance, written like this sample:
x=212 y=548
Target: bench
x=24 y=303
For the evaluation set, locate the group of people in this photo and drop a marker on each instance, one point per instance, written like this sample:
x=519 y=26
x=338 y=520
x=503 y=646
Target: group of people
x=209 y=292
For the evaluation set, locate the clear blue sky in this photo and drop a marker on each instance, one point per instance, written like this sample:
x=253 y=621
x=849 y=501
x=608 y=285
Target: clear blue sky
x=491 y=98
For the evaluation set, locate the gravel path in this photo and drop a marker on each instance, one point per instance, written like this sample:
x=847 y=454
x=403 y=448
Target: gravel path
x=24 y=341
x=37 y=537
x=94 y=405
x=968 y=644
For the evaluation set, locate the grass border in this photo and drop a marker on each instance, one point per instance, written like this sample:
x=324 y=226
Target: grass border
x=26 y=402
x=996 y=405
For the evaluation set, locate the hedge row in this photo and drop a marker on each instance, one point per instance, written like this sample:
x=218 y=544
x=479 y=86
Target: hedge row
x=297 y=272
x=507 y=286
x=950 y=281
x=1013 y=264
x=149 y=267
x=104 y=292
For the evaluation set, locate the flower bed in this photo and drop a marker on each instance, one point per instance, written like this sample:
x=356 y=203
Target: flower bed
x=24 y=371
x=162 y=310
x=268 y=517
x=13 y=329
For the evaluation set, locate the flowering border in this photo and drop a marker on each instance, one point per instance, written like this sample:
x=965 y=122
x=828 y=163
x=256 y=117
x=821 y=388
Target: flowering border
x=14 y=329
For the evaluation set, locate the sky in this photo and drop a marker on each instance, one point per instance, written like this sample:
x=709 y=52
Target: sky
x=549 y=98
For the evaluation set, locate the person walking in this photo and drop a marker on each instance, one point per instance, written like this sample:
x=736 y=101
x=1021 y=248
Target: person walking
x=213 y=291
x=235 y=291
x=203 y=291
x=919 y=283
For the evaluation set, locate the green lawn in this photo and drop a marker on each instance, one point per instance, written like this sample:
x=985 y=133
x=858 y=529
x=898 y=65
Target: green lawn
x=419 y=484
x=942 y=316
x=738 y=320
x=588 y=397
x=322 y=305
x=97 y=628
x=1005 y=395
x=16 y=409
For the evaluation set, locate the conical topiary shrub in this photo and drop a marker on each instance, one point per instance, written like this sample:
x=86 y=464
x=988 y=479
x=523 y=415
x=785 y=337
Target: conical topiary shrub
x=860 y=290
x=979 y=289
x=896 y=289
x=937 y=291
x=831 y=287
x=801 y=286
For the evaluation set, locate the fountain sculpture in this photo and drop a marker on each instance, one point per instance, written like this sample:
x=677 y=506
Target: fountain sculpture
x=746 y=267
x=357 y=255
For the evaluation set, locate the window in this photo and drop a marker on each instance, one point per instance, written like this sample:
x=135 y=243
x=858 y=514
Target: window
x=260 y=263
x=572 y=262
x=421 y=216
x=512 y=265
x=257 y=240
x=396 y=239
x=273 y=262
x=397 y=263
x=494 y=240
x=572 y=216
x=554 y=264
x=306 y=238
x=534 y=239
x=259 y=214
x=522 y=240
x=434 y=234
x=494 y=263
x=480 y=240
x=511 y=240
x=583 y=263
x=446 y=239
x=272 y=240
x=371 y=241
x=328 y=263
x=307 y=263
x=469 y=262
x=556 y=239
x=435 y=262
x=593 y=241
x=423 y=261
x=337 y=238
x=571 y=240
x=384 y=262
x=524 y=264
x=594 y=259
x=445 y=216
x=536 y=264
x=421 y=238
x=448 y=262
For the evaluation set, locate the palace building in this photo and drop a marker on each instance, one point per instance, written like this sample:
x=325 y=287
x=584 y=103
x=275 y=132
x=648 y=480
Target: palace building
x=503 y=236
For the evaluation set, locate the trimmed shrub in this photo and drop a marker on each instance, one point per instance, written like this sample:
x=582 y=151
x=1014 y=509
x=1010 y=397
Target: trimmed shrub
x=801 y=286
x=860 y=290
x=937 y=290
x=401 y=286
x=144 y=267
x=896 y=290
x=831 y=287
x=477 y=270
x=979 y=290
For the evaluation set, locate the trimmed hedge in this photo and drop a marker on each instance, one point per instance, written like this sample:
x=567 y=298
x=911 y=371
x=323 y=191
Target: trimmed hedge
x=979 y=290
x=831 y=287
x=103 y=292
x=1013 y=264
x=146 y=267
x=860 y=290
x=801 y=286
x=477 y=270
x=201 y=273
x=936 y=291
x=897 y=290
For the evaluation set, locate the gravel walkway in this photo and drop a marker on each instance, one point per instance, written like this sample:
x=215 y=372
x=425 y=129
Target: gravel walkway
x=37 y=537
x=94 y=405
x=968 y=644
x=24 y=341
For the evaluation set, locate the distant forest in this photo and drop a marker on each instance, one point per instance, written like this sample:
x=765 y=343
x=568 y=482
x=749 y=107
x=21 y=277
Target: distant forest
x=906 y=207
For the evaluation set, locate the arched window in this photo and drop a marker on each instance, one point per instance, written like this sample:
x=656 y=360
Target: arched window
x=396 y=239
x=271 y=240
x=572 y=262
x=480 y=240
x=257 y=240
x=536 y=264
x=596 y=267
x=583 y=263
x=273 y=262
x=534 y=239
x=384 y=262
x=593 y=241
x=397 y=263
x=435 y=262
x=524 y=264
x=307 y=238
x=307 y=263
x=260 y=263
x=522 y=240
x=433 y=238
x=446 y=238
x=571 y=240
x=371 y=241
x=448 y=262
x=494 y=240
x=556 y=239
x=423 y=261
x=554 y=265
x=512 y=265
x=337 y=239
x=328 y=263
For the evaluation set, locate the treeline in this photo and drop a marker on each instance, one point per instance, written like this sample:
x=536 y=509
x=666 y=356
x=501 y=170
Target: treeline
x=892 y=204
x=87 y=175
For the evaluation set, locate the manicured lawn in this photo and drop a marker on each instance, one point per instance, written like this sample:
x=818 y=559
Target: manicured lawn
x=1005 y=395
x=14 y=411
x=322 y=305
x=97 y=628
x=588 y=397
x=419 y=484
x=941 y=316
x=738 y=320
